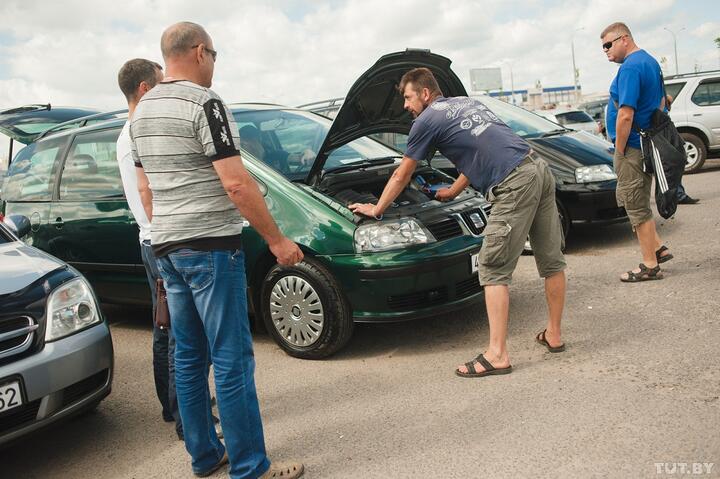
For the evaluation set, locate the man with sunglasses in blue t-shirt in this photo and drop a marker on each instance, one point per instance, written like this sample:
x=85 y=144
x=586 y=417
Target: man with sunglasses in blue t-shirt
x=635 y=93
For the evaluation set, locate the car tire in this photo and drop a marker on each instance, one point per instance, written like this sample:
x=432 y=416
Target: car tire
x=305 y=311
x=696 y=152
x=564 y=222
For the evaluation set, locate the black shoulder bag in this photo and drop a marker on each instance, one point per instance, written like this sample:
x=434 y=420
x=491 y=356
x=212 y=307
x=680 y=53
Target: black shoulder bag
x=663 y=151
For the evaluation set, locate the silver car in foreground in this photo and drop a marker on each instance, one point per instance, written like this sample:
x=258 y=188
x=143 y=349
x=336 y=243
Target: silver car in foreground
x=56 y=353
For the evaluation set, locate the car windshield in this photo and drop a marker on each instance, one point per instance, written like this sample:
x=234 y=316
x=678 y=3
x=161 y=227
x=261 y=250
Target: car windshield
x=523 y=122
x=568 y=117
x=288 y=141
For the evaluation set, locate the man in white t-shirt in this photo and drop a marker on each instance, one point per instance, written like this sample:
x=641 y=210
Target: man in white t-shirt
x=137 y=77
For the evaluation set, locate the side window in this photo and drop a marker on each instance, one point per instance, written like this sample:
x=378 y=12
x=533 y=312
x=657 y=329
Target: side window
x=30 y=177
x=707 y=94
x=673 y=89
x=91 y=169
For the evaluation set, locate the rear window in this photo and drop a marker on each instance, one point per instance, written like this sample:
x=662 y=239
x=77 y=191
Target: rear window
x=707 y=93
x=573 y=117
x=673 y=89
x=30 y=176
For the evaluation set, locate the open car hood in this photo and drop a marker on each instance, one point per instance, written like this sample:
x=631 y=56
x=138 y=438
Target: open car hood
x=373 y=104
x=26 y=123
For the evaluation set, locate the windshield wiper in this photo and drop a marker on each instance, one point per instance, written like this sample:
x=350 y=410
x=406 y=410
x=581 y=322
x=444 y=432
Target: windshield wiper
x=381 y=160
x=556 y=132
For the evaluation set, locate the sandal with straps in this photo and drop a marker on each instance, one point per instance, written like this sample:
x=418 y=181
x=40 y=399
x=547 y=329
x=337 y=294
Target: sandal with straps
x=490 y=370
x=645 y=274
x=663 y=258
x=540 y=338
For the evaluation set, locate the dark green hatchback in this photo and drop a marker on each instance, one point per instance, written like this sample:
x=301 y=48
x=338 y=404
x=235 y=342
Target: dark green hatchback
x=418 y=261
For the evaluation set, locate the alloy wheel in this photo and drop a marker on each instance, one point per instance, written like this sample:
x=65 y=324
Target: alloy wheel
x=691 y=153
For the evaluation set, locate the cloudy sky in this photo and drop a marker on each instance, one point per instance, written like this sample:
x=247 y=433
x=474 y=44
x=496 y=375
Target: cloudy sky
x=291 y=51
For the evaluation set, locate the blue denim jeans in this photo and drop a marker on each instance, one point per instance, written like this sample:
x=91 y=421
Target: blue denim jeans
x=208 y=306
x=163 y=347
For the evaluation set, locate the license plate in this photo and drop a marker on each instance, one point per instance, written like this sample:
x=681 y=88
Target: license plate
x=10 y=396
x=474 y=261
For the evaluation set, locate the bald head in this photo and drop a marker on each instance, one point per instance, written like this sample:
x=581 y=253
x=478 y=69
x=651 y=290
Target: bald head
x=178 y=39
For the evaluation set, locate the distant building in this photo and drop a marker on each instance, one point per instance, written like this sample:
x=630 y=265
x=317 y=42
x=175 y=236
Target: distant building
x=540 y=98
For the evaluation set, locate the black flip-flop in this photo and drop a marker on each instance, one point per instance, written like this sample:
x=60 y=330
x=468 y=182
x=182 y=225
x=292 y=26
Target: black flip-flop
x=540 y=338
x=490 y=370
x=663 y=258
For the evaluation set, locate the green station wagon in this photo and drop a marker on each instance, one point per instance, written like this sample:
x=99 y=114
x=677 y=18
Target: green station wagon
x=420 y=260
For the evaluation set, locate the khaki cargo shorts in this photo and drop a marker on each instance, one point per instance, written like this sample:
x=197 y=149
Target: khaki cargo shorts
x=522 y=204
x=633 y=186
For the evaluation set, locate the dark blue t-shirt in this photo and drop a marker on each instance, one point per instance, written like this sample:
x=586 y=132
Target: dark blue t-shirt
x=477 y=142
x=637 y=85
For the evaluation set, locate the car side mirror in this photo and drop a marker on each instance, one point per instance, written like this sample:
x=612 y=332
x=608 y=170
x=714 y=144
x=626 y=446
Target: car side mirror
x=18 y=224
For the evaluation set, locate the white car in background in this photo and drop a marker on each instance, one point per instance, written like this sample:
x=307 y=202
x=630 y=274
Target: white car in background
x=578 y=120
x=696 y=113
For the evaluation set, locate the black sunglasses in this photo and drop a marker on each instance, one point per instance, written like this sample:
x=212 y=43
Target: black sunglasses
x=209 y=50
x=608 y=45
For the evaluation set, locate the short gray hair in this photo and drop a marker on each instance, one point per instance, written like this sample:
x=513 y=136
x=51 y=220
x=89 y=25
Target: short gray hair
x=177 y=39
x=618 y=27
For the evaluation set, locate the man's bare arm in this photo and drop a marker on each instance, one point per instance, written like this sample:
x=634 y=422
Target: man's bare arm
x=447 y=194
x=395 y=185
x=622 y=127
x=245 y=195
x=146 y=195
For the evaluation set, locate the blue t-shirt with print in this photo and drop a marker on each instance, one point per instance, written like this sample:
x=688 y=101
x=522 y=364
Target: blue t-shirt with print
x=637 y=85
x=467 y=133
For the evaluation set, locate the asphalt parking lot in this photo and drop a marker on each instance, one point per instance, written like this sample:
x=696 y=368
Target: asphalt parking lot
x=635 y=395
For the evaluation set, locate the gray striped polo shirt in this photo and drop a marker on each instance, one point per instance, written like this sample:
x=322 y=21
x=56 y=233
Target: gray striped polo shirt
x=178 y=130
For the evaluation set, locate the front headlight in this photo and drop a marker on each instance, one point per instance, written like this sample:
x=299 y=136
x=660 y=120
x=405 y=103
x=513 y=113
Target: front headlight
x=588 y=174
x=71 y=308
x=389 y=235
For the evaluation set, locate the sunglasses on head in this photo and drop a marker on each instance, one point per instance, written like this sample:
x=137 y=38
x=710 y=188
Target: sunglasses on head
x=608 y=45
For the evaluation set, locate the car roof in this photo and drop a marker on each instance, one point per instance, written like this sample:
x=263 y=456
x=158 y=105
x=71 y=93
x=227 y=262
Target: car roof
x=115 y=122
x=686 y=76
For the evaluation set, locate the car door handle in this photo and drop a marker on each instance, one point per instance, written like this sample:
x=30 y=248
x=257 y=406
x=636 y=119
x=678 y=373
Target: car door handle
x=697 y=114
x=59 y=223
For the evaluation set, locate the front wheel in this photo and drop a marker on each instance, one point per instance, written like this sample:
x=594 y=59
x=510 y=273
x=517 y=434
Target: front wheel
x=305 y=311
x=695 y=152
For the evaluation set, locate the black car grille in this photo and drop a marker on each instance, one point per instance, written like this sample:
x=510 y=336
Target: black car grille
x=451 y=227
x=419 y=299
x=19 y=416
x=16 y=335
x=445 y=229
x=467 y=287
x=80 y=389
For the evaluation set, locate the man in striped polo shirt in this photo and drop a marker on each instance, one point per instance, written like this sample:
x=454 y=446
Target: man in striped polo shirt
x=185 y=146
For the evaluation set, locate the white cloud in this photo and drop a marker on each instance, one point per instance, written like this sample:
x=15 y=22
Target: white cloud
x=707 y=29
x=69 y=52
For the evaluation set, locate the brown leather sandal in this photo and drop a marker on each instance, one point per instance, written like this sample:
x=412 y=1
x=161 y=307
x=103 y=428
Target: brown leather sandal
x=645 y=274
x=490 y=370
x=661 y=258
x=540 y=338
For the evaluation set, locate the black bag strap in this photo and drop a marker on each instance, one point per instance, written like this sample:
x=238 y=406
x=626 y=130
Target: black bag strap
x=639 y=130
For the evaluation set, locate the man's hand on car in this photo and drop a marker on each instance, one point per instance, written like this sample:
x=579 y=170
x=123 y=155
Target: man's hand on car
x=286 y=252
x=366 y=209
x=445 y=194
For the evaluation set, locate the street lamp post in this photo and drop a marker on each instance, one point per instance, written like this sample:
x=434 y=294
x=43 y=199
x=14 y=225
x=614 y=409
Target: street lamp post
x=575 y=75
x=677 y=70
